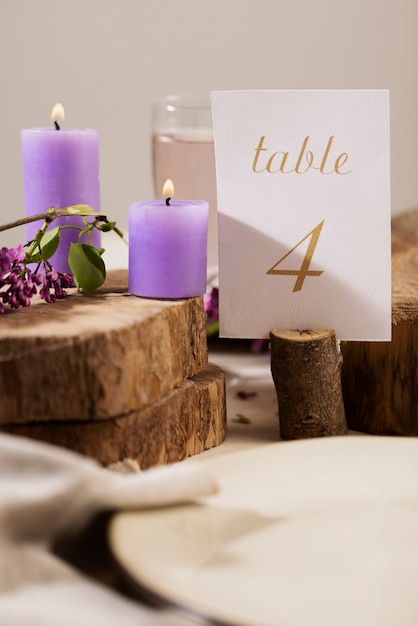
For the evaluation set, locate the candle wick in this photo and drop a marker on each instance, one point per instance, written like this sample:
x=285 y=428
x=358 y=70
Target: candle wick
x=57 y=126
x=167 y=201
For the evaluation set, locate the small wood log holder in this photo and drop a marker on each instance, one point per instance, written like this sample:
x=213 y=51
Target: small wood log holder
x=306 y=369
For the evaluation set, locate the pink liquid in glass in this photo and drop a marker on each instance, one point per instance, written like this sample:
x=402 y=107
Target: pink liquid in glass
x=187 y=157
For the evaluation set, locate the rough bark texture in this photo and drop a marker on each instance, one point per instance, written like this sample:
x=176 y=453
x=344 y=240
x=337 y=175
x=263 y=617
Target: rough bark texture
x=97 y=357
x=380 y=380
x=306 y=369
x=185 y=421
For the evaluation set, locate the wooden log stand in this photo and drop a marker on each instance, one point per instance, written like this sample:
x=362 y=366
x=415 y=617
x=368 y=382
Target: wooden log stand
x=306 y=370
x=112 y=376
x=380 y=380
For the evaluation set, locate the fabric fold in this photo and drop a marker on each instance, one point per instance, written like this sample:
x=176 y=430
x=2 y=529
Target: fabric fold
x=48 y=492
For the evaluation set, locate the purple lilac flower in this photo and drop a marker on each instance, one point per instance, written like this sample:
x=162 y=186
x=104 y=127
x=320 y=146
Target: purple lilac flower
x=13 y=276
x=5 y=262
x=52 y=284
x=260 y=345
x=211 y=302
x=8 y=257
x=18 y=283
x=244 y=395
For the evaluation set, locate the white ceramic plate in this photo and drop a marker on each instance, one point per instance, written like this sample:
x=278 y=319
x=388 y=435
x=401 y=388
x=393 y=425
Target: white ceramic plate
x=315 y=532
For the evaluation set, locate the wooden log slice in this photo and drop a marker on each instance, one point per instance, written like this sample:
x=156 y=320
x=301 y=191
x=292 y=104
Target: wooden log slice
x=183 y=422
x=97 y=357
x=306 y=369
x=380 y=379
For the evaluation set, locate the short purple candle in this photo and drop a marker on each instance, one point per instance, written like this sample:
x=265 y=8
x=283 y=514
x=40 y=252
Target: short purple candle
x=168 y=248
x=60 y=169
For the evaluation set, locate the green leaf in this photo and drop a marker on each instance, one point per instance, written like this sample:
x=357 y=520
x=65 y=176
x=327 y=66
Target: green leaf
x=81 y=209
x=87 y=266
x=49 y=244
x=212 y=328
x=106 y=227
x=242 y=419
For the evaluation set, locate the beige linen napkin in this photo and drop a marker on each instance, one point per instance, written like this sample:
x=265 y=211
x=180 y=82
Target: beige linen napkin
x=47 y=492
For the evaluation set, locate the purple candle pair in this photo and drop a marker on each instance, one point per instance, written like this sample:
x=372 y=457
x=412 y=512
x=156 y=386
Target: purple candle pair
x=60 y=169
x=168 y=248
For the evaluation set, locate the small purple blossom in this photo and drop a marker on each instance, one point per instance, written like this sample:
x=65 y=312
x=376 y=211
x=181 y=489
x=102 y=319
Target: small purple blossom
x=5 y=262
x=53 y=284
x=211 y=303
x=9 y=256
x=16 y=288
x=260 y=345
x=244 y=395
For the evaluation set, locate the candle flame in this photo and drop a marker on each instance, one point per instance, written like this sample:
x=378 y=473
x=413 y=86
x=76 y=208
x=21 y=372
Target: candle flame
x=57 y=113
x=168 y=189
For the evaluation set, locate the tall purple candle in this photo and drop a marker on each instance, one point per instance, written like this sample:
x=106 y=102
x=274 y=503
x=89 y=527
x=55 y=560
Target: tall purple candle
x=168 y=248
x=60 y=169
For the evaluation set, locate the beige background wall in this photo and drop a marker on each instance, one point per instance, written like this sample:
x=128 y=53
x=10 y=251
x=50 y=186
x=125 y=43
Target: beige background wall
x=107 y=60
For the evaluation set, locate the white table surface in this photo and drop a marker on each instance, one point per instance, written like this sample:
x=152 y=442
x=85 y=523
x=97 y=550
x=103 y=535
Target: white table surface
x=249 y=373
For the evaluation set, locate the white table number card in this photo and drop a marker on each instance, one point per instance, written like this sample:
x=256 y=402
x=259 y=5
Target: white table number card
x=303 y=181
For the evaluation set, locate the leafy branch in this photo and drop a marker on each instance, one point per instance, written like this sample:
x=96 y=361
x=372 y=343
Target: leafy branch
x=18 y=282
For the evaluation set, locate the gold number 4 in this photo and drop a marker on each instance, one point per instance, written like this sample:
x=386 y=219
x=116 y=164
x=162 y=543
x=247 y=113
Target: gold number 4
x=304 y=270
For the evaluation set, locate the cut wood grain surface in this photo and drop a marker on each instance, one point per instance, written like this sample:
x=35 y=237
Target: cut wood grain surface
x=185 y=421
x=97 y=357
